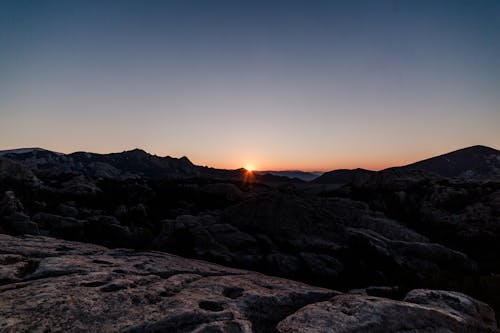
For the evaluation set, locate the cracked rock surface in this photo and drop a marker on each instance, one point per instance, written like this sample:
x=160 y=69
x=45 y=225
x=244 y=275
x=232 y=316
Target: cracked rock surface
x=52 y=285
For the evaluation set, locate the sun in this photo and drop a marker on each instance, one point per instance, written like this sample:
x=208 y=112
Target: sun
x=249 y=168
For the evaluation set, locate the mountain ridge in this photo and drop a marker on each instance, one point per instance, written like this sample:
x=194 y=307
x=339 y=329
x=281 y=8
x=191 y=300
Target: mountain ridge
x=476 y=161
x=470 y=162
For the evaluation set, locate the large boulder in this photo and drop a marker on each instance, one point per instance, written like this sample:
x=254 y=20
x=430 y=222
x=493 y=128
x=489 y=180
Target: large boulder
x=60 y=226
x=423 y=311
x=13 y=219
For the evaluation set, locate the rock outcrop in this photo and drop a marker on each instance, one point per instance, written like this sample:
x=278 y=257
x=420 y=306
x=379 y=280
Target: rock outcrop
x=422 y=311
x=60 y=286
x=51 y=285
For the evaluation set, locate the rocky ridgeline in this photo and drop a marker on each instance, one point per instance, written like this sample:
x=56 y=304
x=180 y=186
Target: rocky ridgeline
x=51 y=285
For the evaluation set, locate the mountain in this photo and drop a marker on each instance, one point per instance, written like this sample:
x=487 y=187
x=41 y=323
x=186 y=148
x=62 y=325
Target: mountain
x=134 y=163
x=470 y=162
x=302 y=175
x=343 y=176
x=22 y=151
x=476 y=162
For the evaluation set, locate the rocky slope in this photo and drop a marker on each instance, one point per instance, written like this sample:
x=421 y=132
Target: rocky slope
x=476 y=162
x=50 y=285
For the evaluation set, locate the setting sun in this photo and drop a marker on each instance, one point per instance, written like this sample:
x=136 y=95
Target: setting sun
x=249 y=168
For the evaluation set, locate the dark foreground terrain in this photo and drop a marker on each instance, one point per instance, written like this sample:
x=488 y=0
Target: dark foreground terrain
x=388 y=242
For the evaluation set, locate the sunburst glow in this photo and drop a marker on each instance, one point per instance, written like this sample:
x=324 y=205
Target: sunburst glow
x=249 y=168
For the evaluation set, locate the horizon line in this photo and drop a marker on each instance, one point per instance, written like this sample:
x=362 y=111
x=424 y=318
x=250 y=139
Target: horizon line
x=310 y=170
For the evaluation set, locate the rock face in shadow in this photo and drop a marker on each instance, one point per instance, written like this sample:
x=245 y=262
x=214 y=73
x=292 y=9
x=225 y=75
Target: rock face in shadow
x=54 y=285
x=338 y=240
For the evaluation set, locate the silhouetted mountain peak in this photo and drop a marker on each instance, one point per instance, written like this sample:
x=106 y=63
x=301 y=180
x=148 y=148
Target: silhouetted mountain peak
x=343 y=176
x=475 y=161
x=186 y=160
x=136 y=153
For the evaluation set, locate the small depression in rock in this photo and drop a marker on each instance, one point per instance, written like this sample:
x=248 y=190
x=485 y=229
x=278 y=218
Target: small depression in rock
x=64 y=248
x=211 y=306
x=93 y=283
x=232 y=292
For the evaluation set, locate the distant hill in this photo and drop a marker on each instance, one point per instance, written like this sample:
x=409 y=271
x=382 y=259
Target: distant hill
x=343 y=176
x=471 y=162
x=302 y=175
x=23 y=151
x=475 y=161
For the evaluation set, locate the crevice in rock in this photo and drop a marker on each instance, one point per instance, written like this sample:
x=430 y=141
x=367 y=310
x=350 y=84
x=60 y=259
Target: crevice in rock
x=233 y=292
x=211 y=306
x=28 y=268
x=166 y=275
x=266 y=312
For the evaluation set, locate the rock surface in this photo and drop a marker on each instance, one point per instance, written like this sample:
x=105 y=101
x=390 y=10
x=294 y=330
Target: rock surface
x=51 y=285
x=421 y=312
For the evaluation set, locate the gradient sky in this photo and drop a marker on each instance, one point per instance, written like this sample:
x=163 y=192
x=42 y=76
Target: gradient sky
x=313 y=85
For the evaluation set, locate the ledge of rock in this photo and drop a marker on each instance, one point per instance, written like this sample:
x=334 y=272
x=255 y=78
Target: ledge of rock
x=51 y=285
x=422 y=311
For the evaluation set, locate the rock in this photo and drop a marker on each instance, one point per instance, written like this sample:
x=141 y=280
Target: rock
x=343 y=241
x=67 y=210
x=398 y=179
x=227 y=191
x=65 y=227
x=107 y=230
x=379 y=291
x=12 y=216
x=10 y=204
x=283 y=264
x=322 y=266
x=12 y=170
x=455 y=303
x=103 y=170
x=62 y=286
x=80 y=185
x=19 y=224
x=358 y=313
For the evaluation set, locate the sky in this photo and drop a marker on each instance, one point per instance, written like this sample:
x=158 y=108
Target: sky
x=311 y=85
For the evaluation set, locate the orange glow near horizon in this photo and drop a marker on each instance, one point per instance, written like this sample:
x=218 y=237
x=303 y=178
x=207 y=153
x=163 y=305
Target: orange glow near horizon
x=259 y=159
